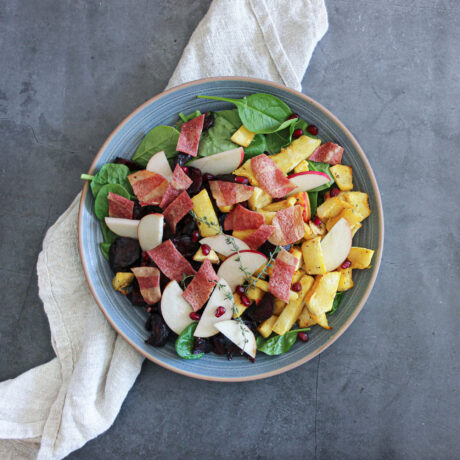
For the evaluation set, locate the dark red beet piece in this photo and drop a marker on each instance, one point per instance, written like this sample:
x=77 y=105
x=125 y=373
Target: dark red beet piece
x=181 y=159
x=207 y=177
x=208 y=121
x=124 y=253
x=135 y=296
x=225 y=177
x=140 y=211
x=160 y=331
x=185 y=245
x=132 y=165
x=201 y=345
x=264 y=309
x=197 y=178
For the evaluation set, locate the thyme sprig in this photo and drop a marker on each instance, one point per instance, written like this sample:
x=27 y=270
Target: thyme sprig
x=206 y=221
x=252 y=282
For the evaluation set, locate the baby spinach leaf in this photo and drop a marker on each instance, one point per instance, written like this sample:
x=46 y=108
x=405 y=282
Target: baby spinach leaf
x=159 y=138
x=256 y=147
x=185 y=341
x=231 y=116
x=313 y=196
x=322 y=167
x=105 y=249
x=281 y=139
x=278 y=344
x=101 y=204
x=185 y=118
x=110 y=173
x=337 y=299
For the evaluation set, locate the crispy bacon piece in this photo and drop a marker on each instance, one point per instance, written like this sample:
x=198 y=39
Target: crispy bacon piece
x=119 y=206
x=241 y=218
x=180 y=207
x=179 y=182
x=148 y=186
x=189 y=138
x=149 y=283
x=227 y=193
x=270 y=177
x=259 y=237
x=328 y=153
x=289 y=226
x=281 y=277
x=198 y=291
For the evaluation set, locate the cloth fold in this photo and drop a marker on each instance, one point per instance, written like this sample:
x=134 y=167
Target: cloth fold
x=57 y=407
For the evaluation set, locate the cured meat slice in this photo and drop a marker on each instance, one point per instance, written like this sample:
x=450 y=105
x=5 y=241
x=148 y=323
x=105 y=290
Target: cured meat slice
x=148 y=186
x=149 y=283
x=289 y=226
x=259 y=237
x=328 y=153
x=281 y=278
x=180 y=207
x=270 y=177
x=241 y=218
x=170 y=261
x=119 y=206
x=227 y=193
x=179 y=181
x=189 y=138
x=198 y=291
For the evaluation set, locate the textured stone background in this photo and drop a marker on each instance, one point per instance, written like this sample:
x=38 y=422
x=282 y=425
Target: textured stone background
x=71 y=70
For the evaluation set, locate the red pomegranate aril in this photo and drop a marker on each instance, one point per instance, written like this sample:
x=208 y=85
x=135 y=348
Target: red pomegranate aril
x=245 y=300
x=208 y=176
x=241 y=180
x=312 y=129
x=195 y=236
x=335 y=191
x=145 y=256
x=219 y=312
x=240 y=290
x=195 y=316
x=303 y=336
x=346 y=264
x=148 y=309
x=205 y=249
x=185 y=169
x=297 y=133
x=291 y=117
x=297 y=287
x=317 y=221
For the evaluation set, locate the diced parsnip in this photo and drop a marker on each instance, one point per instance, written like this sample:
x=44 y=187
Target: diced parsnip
x=332 y=207
x=293 y=309
x=355 y=228
x=121 y=281
x=313 y=257
x=297 y=275
x=297 y=253
x=351 y=216
x=254 y=293
x=266 y=327
x=279 y=306
x=259 y=199
x=262 y=284
x=302 y=167
x=360 y=257
x=309 y=234
x=212 y=256
x=278 y=205
x=299 y=149
x=321 y=296
x=246 y=171
x=346 y=279
x=226 y=209
x=318 y=230
x=343 y=176
x=268 y=216
x=239 y=307
x=243 y=136
x=304 y=319
x=208 y=225
x=359 y=201
x=321 y=320
x=242 y=234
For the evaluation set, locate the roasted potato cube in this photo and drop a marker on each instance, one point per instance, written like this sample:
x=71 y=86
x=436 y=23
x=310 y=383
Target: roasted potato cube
x=343 y=176
x=242 y=234
x=254 y=293
x=302 y=167
x=299 y=149
x=226 y=209
x=297 y=253
x=262 y=284
x=313 y=257
x=304 y=319
x=268 y=216
x=360 y=257
x=351 y=216
x=321 y=320
x=239 y=307
x=278 y=205
x=212 y=256
x=346 y=280
x=297 y=275
x=121 y=281
x=318 y=230
x=355 y=228
x=321 y=296
x=309 y=234
x=266 y=327
x=279 y=306
x=246 y=171
x=243 y=136
x=208 y=225
x=332 y=207
x=359 y=201
x=259 y=199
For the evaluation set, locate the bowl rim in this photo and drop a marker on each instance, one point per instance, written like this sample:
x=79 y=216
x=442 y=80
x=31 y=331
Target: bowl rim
x=379 y=250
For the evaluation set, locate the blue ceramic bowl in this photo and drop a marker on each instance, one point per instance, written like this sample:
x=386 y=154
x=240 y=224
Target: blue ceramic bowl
x=129 y=321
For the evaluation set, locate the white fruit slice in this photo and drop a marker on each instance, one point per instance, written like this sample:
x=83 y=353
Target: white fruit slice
x=150 y=231
x=240 y=335
x=336 y=245
x=159 y=164
x=122 y=227
x=230 y=269
x=224 y=244
x=308 y=180
x=221 y=297
x=220 y=163
x=174 y=308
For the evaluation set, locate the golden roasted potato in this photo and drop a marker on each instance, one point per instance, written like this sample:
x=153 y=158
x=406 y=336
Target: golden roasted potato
x=121 y=281
x=332 y=207
x=279 y=306
x=226 y=209
x=203 y=208
x=351 y=216
x=259 y=199
x=243 y=136
x=360 y=257
x=268 y=216
x=359 y=201
x=239 y=307
x=246 y=171
x=266 y=327
x=318 y=230
x=297 y=253
x=242 y=234
x=321 y=320
x=262 y=284
x=212 y=256
x=313 y=257
x=302 y=167
x=321 y=296
x=343 y=176
x=254 y=293
x=304 y=319
x=346 y=280
x=299 y=149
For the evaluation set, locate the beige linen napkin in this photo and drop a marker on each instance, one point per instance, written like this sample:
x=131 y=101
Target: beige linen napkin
x=56 y=408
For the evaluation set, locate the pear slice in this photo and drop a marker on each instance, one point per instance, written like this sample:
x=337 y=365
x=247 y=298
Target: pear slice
x=239 y=334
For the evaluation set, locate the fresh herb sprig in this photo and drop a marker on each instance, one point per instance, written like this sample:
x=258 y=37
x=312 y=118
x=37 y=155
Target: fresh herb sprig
x=252 y=283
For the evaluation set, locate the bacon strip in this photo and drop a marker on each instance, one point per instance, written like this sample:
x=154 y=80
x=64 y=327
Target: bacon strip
x=198 y=291
x=227 y=193
x=259 y=237
x=270 y=177
x=289 y=226
x=119 y=206
x=180 y=207
x=328 y=153
x=189 y=138
x=241 y=218
x=148 y=186
x=149 y=283
x=281 y=277
x=170 y=261
x=179 y=181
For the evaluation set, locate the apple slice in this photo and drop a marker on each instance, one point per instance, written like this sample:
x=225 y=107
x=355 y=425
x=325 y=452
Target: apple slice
x=150 y=231
x=224 y=244
x=308 y=180
x=159 y=164
x=221 y=297
x=174 y=308
x=230 y=268
x=336 y=245
x=220 y=163
x=240 y=335
x=122 y=227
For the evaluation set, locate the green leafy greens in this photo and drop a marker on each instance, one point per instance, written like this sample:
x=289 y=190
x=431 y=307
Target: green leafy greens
x=110 y=173
x=278 y=344
x=185 y=118
x=281 y=139
x=324 y=168
x=337 y=300
x=184 y=343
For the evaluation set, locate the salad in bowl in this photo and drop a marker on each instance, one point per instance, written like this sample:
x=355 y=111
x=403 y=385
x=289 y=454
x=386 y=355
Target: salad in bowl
x=233 y=229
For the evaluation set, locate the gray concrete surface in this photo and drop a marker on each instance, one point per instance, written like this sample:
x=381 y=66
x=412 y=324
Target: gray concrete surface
x=389 y=388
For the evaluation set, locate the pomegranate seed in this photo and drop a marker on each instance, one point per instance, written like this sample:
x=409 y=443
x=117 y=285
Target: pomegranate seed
x=205 y=249
x=208 y=176
x=185 y=169
x=245 y=300
x=346 y=264
x=317 y=221
x=312 y=129
x=303 y=336
x=219 y=312
x=335 y=191
x=145 y=256
x=195 y=236
x=291 y=117
x=297 y=133
x=297 y=287
x=148 y=309
x=241 y=180
x=240 y=290
x=195 y=316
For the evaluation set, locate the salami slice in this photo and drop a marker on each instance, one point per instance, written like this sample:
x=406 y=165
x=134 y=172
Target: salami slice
x=227 y=193
x=170 y=261
x=198 y=291
x=259 y=237
x=149 y=283
x=148 y=186
x=270 y=177
x=289 y=226
x=189 y=138
x=179 y=181
x=281 y=277
x=328 y=153
x=119 y=206
x=241 y=218
x=180 y=207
